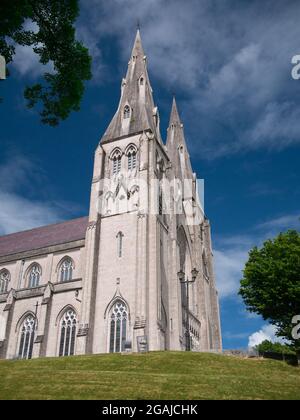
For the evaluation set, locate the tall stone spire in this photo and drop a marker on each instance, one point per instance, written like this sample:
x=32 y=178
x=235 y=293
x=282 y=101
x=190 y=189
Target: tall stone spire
x=136 y=111
x=176 y=145
x=174 y=118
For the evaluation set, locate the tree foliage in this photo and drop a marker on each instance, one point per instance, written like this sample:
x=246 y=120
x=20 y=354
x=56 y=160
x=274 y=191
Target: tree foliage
x=61 y=92
x=271 y=283
x=268 y=346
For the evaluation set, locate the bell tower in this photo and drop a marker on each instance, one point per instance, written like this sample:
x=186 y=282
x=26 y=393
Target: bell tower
x=137 y=243
x=122 y=242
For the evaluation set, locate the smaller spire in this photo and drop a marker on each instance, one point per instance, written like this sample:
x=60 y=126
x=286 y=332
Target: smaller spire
x=176 y=145
x=174 y=118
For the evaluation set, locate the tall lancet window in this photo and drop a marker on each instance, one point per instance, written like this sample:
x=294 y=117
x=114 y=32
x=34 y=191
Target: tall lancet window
x=68 y=325
x=118 y=327
x=4 y=280
x=131 y=155
x=27 y=337
x=116 y=159
x=120 y=237
x=34 y=276
x=126 y=112
x=66 y=270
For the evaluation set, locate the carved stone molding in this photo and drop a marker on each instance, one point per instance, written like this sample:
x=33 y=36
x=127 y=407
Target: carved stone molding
x=144 y=166
x=140 y=322
x=46 y=300
x=92 y=225
x=83 y=330
x=39 y=339
x=141 y=214
x=150 y=135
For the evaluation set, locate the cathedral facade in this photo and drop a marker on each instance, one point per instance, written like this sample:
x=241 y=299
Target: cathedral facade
x=137 y=273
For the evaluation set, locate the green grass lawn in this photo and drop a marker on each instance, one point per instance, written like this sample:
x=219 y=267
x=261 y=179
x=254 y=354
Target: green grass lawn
x=158 y=375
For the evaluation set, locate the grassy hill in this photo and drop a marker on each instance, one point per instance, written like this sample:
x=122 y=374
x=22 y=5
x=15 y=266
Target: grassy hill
x=161 y=375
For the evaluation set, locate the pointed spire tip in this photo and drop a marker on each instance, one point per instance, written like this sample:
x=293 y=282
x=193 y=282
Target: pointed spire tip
x=137 y=46
x=174 y=118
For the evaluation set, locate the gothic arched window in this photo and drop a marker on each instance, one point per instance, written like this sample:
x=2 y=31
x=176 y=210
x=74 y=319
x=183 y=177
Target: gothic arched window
x=118 y=327
x=27 y=337
x=120 y=237
x=131 y=155
x=34 y=276
x=66 y=270
x=126 y=112
x=160 y=201
x=68 y=325
x=4 y=280
x=116 y=159
x=142 y=81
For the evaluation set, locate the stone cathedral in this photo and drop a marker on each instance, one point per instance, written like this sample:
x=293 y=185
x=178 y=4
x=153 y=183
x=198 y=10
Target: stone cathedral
x=136 y=274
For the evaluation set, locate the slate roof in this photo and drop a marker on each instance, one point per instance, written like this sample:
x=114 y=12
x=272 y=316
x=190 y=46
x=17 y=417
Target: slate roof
x=60 y=233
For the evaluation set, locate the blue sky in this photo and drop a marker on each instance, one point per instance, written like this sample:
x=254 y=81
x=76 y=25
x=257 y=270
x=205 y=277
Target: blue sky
x=229 y=64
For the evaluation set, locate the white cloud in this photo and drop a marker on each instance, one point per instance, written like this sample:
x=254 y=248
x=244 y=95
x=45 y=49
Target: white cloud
x=251 y=315
x=267 y=332
x=19 y=170
x=234 y=336
x=223 y=84
x=90 y=40
x=231 y=61
x=26 y=61
x=231 y=252
x=17 y=211
x=289 y=221
x=278 y=127
x=228 y=267
x=262 y=189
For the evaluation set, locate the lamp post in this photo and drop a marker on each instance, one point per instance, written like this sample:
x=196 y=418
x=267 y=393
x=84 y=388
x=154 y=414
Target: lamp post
x=181 y=276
